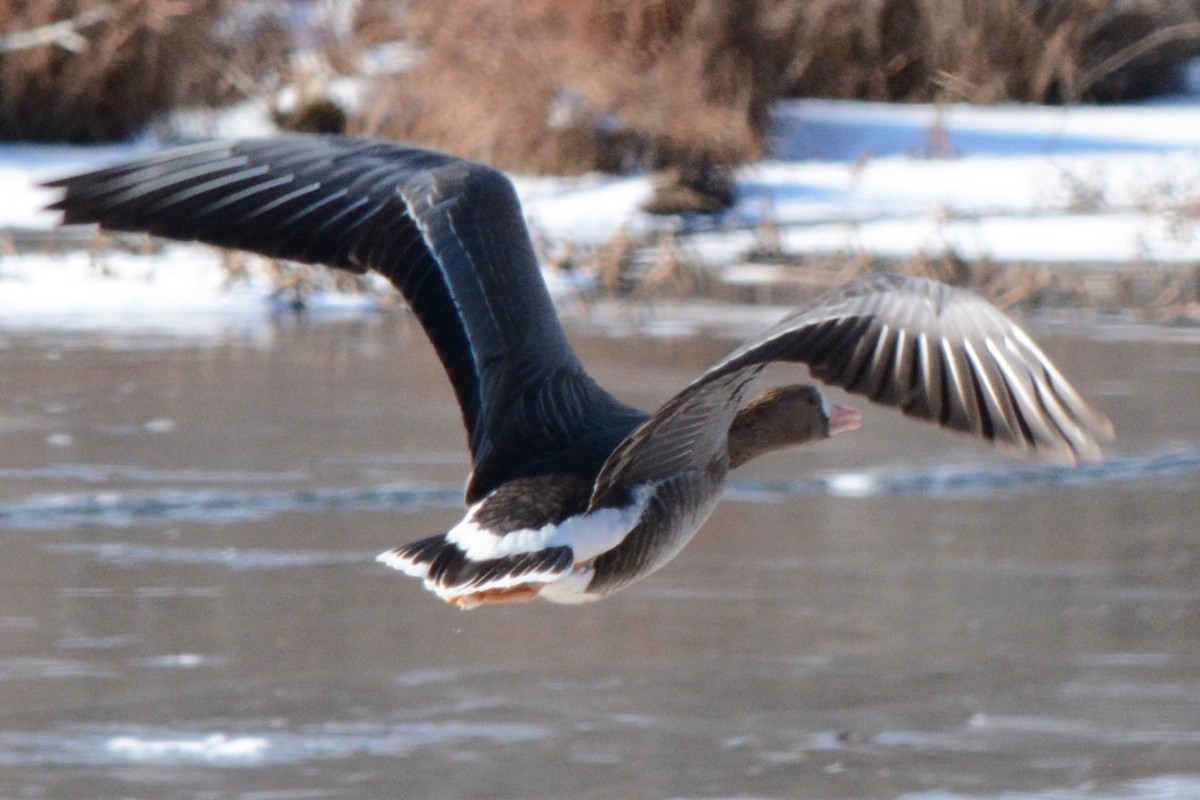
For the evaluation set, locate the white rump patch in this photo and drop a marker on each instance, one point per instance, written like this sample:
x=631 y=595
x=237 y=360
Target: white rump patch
x=588 y=535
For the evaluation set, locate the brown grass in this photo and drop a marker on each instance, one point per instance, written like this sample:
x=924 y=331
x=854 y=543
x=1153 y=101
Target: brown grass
x=987 y=51
x=143 y=58
x=564 y=86
x=654 y=266
x=561 y=86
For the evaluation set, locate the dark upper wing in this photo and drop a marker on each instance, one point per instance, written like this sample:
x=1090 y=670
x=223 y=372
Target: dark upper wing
x=448 y=233
x=935 y=352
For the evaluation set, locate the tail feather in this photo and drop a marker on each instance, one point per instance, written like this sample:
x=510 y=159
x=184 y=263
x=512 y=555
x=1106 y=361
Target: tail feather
x=448 y=572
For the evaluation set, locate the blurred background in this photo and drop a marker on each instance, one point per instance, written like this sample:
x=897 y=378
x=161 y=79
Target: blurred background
x=202 y=451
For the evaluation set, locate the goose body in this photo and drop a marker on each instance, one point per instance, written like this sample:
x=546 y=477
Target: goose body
x=573 y=494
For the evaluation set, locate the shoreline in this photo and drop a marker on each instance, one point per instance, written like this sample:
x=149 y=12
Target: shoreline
x=640 y=276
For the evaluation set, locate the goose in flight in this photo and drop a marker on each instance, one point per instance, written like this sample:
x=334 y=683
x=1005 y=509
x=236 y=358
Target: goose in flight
x=572 y=494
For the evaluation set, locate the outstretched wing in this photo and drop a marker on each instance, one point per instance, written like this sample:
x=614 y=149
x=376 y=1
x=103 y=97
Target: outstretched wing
x=936 y=352
x=448 y=233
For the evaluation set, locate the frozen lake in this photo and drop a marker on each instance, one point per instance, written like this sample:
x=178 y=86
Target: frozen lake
x=189 y=605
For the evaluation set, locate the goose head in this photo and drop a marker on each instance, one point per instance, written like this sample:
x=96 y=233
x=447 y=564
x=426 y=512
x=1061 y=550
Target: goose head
x=783 y=417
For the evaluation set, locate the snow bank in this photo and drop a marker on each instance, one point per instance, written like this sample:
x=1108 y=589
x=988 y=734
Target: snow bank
x=1072 y=185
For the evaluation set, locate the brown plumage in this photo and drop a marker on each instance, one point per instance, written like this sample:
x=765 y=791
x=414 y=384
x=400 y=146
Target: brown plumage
x=783 y=417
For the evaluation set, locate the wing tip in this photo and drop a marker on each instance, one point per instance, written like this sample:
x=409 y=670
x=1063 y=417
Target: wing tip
x=1102 y=427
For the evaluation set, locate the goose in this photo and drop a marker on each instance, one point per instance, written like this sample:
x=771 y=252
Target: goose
x=572 y=494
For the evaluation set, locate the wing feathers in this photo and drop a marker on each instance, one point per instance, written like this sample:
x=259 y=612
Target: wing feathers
x=448 y=233
x=937 y=353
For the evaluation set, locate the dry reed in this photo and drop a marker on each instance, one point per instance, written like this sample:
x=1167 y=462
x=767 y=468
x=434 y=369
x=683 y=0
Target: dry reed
x=560 y=86
x=99 y=70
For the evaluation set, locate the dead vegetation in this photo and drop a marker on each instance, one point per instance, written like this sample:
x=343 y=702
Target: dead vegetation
x=683 y=86
x=557 y=86
x=664 y=266
x=101 y=70
x=986 y=51
x=1165 y=293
